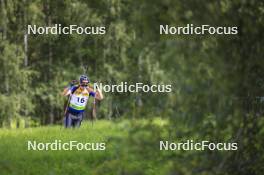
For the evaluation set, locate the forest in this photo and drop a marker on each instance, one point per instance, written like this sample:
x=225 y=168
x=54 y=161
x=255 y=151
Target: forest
x=217 y=81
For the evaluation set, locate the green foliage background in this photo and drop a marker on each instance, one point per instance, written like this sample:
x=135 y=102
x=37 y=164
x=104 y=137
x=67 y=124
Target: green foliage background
x=217 y=80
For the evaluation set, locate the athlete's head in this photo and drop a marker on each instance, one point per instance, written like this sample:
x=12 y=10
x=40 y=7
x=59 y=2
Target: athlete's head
x=84 y=80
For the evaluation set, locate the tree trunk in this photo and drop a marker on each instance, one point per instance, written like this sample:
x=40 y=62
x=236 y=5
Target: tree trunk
x=4 y=18
x=47 y=11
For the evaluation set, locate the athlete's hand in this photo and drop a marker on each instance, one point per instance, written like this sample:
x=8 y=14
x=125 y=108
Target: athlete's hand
x=73 y=82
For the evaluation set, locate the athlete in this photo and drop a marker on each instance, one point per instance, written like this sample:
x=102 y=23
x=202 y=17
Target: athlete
x=78 y=98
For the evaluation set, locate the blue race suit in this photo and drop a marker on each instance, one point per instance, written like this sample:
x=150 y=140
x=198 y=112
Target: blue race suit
x=77 y=103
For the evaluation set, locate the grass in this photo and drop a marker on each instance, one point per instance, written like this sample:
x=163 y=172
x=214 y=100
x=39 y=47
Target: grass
x=131 y=148
x=16 y=159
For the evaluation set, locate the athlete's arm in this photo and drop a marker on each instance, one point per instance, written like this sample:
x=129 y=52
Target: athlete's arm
x=67 y=91
x=98 y=94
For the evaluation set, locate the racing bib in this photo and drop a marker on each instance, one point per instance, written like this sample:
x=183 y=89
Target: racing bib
x=79 y=101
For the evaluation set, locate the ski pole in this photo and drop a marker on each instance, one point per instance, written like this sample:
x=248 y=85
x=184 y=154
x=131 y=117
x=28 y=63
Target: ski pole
x=66 y=108
x=94 y=105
